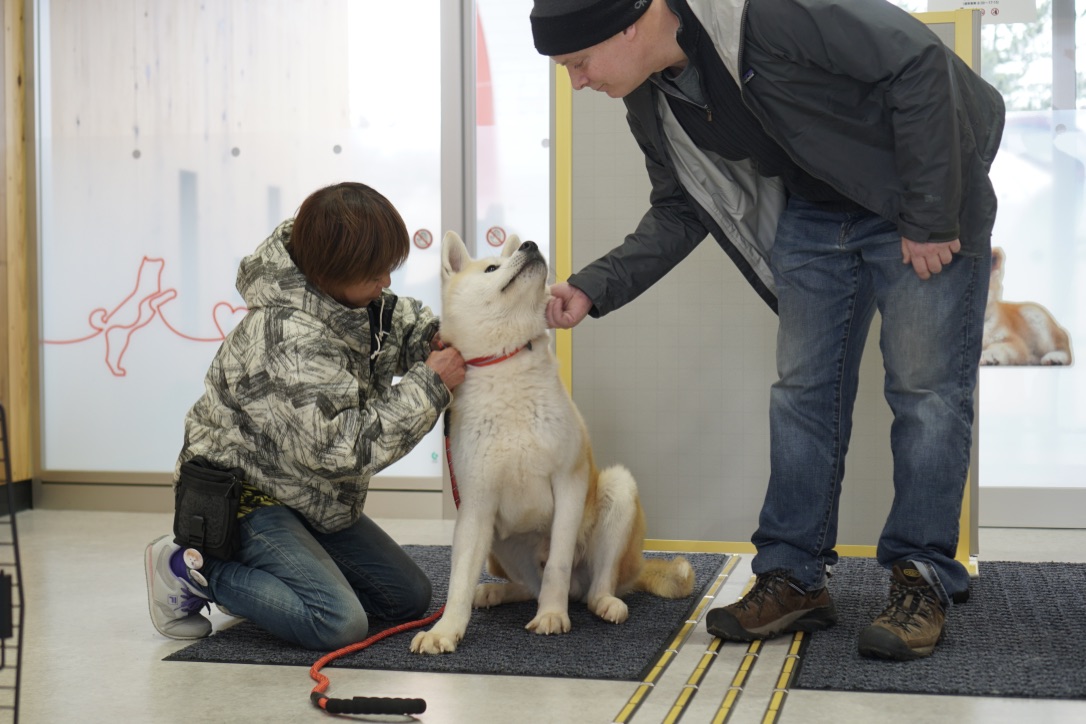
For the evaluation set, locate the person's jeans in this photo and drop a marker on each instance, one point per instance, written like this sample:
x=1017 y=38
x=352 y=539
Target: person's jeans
x=314 y=589
x=832 y=270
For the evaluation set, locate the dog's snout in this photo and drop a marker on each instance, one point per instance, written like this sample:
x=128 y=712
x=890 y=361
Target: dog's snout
x=527 y=246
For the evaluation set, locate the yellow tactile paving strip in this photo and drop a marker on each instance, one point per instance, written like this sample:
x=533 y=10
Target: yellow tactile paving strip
x=645 y=688
x=691 y=689
x=788 y=671
x=735 y=690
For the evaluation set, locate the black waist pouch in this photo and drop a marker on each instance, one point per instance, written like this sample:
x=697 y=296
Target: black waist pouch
x=206 y=508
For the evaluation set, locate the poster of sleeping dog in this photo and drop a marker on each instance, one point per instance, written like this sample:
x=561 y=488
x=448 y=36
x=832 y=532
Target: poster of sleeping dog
x=1020 y=333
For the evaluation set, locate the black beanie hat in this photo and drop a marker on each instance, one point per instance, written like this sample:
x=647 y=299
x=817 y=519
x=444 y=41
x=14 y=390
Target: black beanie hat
x=567 y=26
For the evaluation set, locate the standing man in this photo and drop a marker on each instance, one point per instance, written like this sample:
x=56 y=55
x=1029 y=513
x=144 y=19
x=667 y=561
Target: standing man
x=839 y=153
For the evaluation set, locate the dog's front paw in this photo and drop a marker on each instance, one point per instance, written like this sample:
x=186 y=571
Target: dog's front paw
x=434 y=642
x=1056 y=358
x=549 y=623
x=611 y=609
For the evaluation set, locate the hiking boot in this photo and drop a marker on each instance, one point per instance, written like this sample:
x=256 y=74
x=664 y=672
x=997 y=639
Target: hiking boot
x=776 y=604
x=171 y=597
x=911 y=624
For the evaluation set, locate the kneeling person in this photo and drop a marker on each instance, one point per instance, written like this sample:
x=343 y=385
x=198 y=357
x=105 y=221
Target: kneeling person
x=300 y=397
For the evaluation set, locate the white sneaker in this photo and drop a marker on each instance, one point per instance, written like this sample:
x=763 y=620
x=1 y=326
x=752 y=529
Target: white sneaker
x=173 y=602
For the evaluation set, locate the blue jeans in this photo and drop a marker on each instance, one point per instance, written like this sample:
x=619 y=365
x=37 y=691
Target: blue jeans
x=314 y=589
x=832 y=270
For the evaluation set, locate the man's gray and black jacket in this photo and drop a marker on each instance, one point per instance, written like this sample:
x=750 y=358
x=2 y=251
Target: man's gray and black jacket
x=860 y=95
x=300 y=395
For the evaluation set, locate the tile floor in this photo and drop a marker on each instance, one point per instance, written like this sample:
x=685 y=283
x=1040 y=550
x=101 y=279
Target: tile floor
x=91 y=654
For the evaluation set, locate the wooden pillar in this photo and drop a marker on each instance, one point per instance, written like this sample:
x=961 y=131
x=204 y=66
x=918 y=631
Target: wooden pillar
x=15 y=249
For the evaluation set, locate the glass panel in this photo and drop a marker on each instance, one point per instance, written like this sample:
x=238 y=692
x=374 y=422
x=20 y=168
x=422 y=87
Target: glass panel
x=512 y=127
x=1032 y=430
x=173 y=138
x=1032 y=424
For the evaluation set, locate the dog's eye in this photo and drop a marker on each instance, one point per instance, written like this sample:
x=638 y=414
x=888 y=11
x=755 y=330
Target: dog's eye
x=492 y=267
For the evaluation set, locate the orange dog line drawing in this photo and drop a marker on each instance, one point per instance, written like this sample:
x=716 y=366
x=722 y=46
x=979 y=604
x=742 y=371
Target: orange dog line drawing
x=134 y=312
x=142 y=305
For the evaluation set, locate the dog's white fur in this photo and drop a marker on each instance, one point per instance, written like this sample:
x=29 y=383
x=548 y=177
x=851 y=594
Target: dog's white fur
x=533 y=503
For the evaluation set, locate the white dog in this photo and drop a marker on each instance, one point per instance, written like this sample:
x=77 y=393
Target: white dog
x=531 y=497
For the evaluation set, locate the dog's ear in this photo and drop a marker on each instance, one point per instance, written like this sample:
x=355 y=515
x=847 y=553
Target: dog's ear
x=454 y=255
x=511 y=244
x=998 y=259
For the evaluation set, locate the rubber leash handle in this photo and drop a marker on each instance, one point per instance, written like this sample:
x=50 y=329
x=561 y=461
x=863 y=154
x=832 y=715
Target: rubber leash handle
x=374 y=705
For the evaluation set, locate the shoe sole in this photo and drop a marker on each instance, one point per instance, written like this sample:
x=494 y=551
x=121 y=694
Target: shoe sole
x=878 y=643
x=149 y=571
x=817 y=619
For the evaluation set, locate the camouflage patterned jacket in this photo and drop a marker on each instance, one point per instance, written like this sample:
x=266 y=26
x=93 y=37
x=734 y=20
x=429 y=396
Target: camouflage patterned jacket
x=300 y=394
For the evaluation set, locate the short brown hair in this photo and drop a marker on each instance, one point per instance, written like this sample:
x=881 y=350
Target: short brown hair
x=347 y=233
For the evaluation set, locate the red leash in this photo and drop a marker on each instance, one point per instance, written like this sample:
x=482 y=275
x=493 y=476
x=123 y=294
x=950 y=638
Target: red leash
x=366 y=704
x=448 y=460
x=473 y=362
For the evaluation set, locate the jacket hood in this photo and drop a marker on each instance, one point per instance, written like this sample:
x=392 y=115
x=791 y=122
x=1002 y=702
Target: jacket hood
x=269 y=278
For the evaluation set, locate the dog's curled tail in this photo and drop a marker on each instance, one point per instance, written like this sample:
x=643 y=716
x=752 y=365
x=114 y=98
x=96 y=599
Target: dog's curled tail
x=672 y=578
